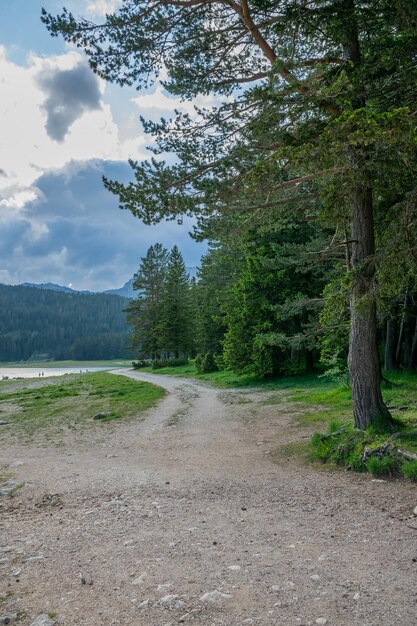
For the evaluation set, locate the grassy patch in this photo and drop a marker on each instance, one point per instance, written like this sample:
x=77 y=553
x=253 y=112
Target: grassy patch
x=72 y=400
x=364 y=451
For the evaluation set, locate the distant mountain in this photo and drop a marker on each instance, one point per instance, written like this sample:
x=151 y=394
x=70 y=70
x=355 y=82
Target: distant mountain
x=52 y=287
x=125 y=292
x=49 y=324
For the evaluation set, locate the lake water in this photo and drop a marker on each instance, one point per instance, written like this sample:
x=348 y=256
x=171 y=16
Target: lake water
x=44 y=372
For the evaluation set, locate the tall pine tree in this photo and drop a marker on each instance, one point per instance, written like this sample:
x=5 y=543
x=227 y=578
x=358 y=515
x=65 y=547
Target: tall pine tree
x=144 y=313
x=177 y=320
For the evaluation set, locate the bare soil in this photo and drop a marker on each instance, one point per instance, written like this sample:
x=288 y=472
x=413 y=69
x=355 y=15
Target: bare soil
x=201 y=496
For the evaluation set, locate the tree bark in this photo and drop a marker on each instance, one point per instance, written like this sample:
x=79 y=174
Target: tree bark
x=363 y=360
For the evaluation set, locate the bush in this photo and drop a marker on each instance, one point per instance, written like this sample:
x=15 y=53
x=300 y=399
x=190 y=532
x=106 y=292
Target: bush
x=158 y=364
x=140 y=363
x=205 y=363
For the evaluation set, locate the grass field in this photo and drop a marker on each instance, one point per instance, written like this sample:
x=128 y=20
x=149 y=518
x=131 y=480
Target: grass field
x=71 y=401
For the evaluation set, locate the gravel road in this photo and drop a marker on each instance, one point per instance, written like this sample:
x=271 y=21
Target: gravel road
x=196 y=515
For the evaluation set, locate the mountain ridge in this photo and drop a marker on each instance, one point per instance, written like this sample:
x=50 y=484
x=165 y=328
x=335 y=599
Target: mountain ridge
x=126 y=291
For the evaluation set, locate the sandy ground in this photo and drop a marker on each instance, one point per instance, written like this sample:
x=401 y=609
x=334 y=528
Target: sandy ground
x=152 y=516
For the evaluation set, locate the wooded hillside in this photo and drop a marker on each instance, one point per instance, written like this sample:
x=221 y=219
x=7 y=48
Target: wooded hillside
x=42 y=324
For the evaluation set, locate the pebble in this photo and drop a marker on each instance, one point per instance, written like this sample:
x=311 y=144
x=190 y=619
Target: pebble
x=415 y=511
x=100 y=416
x=17 y=572
x=276 y=588
x=140 y=579
x=86 y=579
x=321 y=620
x=188 y=616
x=43 y=620
x=180 y=604
x=214 y=596
x=234 y=568
x=357 y=596
x=9 y=488
x=8 y=619
x=29 y=559
x=143 y=605
x=163 y=588
x=167 y=601
x=315 y=577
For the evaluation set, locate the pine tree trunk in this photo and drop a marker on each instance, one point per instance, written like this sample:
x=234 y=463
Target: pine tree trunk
x=363 y=360
x=390 y=360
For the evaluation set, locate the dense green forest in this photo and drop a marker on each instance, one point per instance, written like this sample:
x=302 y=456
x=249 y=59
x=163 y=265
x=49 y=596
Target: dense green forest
x=251 y=312
x=38 y=324
x=300 y=171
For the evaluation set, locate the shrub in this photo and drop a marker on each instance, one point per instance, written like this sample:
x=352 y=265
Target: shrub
x=198 y=362
x=205 y=363
x=140 y=363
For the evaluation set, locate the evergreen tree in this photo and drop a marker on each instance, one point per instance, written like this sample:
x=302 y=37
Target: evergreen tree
x=271 y=309
x=214 y=277
x=144 y=313
x=176 y=325
x=333 y=115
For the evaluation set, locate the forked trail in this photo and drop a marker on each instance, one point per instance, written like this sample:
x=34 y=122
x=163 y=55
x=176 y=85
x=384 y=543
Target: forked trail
x=200 y=497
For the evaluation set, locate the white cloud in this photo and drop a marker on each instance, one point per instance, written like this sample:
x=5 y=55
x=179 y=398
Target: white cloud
x=17 y=198
x=102 y=7
x=26 y=150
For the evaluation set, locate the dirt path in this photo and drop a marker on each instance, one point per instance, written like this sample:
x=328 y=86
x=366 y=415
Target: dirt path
x=157 y=513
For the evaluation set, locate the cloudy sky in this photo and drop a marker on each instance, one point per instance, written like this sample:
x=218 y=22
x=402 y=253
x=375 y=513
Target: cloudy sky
x=61 y=129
